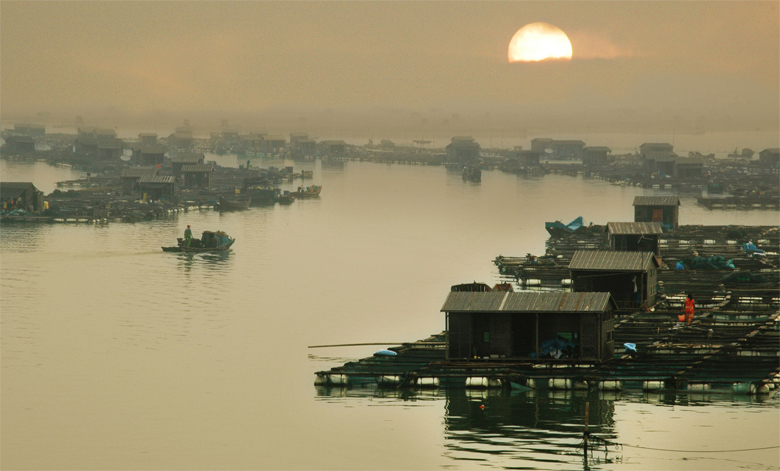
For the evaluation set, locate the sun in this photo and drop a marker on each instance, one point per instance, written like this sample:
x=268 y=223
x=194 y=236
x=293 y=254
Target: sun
x=539 y=41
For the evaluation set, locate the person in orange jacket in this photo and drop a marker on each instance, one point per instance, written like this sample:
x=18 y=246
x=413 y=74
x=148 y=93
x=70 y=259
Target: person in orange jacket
x=690 y=305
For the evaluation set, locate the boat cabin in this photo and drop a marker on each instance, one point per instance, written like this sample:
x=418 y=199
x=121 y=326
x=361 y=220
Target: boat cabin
x=634 y=236
x=532 y=326
x=630 y=277
x=663 y=209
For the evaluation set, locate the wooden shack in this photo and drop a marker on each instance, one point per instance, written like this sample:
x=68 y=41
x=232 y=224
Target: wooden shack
x=147 y=139
x=333 y=147
x=595 y=155
x=19 y=144
x=688 y=168
x=131 y=178
x=186 y=158
x=663 y=209
x=21 y=195
x=462 y=149
x=197 y=176
x=634 y=236
x=524 y=325
x=770 y=157
x=158 y=187
x=151 y=155
x=630 y=277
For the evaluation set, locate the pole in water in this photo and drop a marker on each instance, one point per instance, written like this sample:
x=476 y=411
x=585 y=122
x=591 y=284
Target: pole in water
x=585 y=434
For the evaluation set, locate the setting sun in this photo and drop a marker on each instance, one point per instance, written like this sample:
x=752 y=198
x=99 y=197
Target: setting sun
x=539 y=41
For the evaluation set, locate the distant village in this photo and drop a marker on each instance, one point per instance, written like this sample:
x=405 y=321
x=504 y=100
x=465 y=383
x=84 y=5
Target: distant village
x=173 y=171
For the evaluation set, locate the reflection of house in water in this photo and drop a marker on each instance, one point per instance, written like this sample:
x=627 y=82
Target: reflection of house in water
x=503 y=324
x=635 y=236
x=630 y=277
x=663 y=209
x=525 y=418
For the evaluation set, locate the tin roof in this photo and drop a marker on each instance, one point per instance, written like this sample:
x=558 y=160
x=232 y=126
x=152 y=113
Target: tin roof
x=14 y=189
x=157 y=179
x=607 y=260
x=197 y=168
x=638 y=228
x=656 y=201
x=138 y=172
x=526 y=302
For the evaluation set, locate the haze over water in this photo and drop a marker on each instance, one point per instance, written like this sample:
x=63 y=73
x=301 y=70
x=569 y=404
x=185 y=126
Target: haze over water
x=116 y=355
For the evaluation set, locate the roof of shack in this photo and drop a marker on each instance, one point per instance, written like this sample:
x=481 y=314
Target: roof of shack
x=526 y=302
x=607 y=260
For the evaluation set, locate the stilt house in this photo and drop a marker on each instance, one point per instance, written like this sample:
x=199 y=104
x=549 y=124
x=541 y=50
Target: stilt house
x=532 y=326
x=630 y=277
x=634 y=236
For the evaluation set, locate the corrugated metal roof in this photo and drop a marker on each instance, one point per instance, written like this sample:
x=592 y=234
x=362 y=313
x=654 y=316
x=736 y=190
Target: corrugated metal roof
x=14 y=189
x=608 y=260
x=197 y=168
x=656 y=201
x=157 y=179
x=637 y=228
x=526 y=302
x=137 y=172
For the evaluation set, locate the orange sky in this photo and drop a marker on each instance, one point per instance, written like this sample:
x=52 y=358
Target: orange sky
x=711 y=62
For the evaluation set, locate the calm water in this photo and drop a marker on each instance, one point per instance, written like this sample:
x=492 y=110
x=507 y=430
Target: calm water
x=116 y=355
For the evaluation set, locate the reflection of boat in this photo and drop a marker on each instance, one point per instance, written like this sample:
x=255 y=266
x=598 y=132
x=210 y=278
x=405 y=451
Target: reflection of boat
x=557 y=228
x=285 y=198
x=234 y=204
x=472 y=174
x=210 y=241
x=307 y=192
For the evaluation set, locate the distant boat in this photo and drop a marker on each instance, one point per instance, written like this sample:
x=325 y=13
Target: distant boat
x=307 y=192
x=234 y=204
x=210 y=242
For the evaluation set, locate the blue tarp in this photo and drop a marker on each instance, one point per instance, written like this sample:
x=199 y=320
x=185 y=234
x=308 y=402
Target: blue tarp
x=570 y=227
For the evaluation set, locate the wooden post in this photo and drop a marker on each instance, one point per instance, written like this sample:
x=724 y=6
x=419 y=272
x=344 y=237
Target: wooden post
x=585 y=435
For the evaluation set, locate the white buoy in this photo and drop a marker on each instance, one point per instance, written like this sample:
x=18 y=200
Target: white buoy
x=476 y=382
x=559 y=383
x=652 y=385
x=428 y=382
x=610 y=386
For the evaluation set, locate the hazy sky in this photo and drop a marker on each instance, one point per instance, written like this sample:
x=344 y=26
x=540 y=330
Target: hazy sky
x=707 y=61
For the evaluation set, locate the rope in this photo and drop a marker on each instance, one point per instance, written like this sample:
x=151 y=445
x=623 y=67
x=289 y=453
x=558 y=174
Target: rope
x=688 y=451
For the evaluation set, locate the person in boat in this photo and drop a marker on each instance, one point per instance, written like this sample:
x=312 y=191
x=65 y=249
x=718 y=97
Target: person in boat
x=188 y=235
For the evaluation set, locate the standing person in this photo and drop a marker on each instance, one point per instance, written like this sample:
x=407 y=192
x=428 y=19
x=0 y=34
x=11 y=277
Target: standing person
x=690 y=305
x=188 y=235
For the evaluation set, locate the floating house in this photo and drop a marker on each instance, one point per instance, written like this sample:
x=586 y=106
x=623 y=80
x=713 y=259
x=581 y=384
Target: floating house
x=630 y=277
x=462 y=149
x=688 y=168
x=151 y=155
x=147 y=139
x=197 y=176
x=530 y=326
x=131 y=178
x=657 y=156
x=663 y=209
x=158 y=187
x=769 y=157
x=273 y=143
x=560 y=149
x=334 y=148
x=31 y=130
x=595 y=155
x=186 y=158
x=635 y=236
x=19 y=144
x=21 y=195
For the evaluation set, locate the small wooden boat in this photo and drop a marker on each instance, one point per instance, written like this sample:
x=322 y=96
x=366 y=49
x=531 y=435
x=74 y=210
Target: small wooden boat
x=307 y=192
x=210 y=242
x=234 y=204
